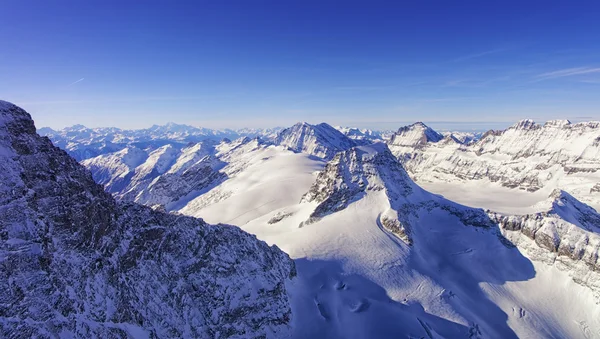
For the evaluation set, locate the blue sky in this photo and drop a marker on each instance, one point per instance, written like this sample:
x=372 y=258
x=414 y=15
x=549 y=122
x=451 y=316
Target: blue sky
x=453 y=65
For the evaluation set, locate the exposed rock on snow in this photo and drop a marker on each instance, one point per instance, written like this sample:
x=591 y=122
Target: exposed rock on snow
x=350 y=173
x=527 y=156
x=74 y=263
x=568 y=234
x=415 y=135
x=353 y=173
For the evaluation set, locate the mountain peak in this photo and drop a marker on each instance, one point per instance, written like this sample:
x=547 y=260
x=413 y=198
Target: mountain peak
x=415 y=135
x=15 y=119
x=569 y=208
x=320 y=140
x=352 y=173
x=525 y=124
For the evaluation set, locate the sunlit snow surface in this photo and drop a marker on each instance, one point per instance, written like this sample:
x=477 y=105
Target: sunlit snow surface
x=357 y=280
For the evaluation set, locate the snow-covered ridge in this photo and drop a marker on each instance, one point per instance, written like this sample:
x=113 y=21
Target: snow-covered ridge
x=84 y=143
x=527 y=156
x=168 y=174
x=75 y=263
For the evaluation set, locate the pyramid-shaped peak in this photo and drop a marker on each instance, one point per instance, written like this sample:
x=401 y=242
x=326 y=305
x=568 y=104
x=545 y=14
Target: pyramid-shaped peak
x=415 y=135
x=355 y=172
x=525 y=124
x=320 y=140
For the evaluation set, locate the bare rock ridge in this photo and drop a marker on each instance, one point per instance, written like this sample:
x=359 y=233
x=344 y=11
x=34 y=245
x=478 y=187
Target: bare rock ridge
x=75 y=263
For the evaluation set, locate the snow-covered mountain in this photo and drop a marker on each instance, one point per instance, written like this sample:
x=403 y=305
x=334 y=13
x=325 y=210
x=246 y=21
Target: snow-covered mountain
x=526 y=156
x=378 y=256
x=363 y=135
x=84 y=143
x=75 y=263
x=415 y=135
x=169 y=177
x=322 y=140
x=464 y=137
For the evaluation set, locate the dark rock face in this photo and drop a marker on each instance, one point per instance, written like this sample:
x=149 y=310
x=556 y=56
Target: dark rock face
x=73 y=262
x=350 y=173
x=564 y=230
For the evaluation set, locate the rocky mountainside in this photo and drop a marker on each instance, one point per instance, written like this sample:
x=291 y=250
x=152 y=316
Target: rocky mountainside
x=75 y=263
x=527 y=156
x=322 y=140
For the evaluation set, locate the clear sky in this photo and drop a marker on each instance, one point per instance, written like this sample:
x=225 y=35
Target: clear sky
x=253 y=63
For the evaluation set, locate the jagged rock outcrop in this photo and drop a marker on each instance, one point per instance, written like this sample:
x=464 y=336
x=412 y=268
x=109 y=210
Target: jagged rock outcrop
x=320 y=140
x=350 y=173
x=75 y=263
